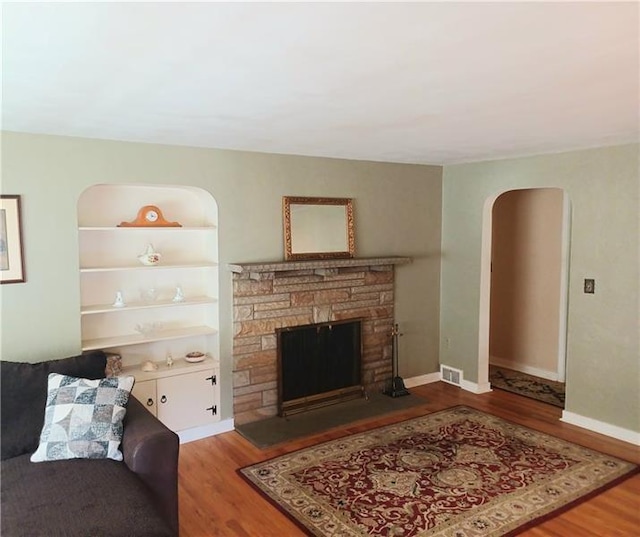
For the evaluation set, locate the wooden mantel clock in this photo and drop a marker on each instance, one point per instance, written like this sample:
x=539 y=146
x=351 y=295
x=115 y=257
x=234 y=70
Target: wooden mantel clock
x=149 y=216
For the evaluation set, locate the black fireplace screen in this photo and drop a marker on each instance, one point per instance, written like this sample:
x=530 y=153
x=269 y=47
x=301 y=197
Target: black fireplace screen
x=318 y=364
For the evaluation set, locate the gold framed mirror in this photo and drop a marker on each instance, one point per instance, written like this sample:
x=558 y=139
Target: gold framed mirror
x=318 y=228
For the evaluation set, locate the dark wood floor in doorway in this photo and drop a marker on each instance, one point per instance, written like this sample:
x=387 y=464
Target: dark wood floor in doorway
x=547 y=391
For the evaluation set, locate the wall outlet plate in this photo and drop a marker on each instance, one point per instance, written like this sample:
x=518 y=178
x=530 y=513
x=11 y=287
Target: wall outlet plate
x=589 y=286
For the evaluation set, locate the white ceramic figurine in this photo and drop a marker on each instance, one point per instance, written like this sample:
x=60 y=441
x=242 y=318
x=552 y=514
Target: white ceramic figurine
x=150 y=257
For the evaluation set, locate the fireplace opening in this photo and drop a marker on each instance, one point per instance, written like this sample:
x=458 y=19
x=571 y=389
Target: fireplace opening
x=318 y=365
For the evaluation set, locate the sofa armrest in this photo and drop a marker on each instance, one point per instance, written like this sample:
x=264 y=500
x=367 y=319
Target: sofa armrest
x=151 y=450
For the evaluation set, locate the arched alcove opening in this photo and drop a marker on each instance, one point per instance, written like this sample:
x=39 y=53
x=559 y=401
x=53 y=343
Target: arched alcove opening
x=159 y=321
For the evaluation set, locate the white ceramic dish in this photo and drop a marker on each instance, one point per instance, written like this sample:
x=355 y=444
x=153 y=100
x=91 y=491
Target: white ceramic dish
x=195 y=357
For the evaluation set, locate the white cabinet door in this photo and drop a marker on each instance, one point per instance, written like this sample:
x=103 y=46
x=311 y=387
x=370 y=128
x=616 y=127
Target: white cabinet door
x=145 y=392
x=186 y=401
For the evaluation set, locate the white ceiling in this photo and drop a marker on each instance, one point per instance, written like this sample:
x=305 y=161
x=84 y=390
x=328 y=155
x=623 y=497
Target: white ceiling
x=430 y=83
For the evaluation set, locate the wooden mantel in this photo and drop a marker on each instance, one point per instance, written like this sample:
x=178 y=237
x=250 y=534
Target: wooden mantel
x=317 y=264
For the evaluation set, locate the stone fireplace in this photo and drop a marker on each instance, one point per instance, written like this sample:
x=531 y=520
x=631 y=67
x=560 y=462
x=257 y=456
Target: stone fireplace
x=271 y=296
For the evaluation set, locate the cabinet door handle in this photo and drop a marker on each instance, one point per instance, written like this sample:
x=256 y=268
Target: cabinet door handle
x=213 y=409
x=149 y=402
x=213 y=380
x=163 y=399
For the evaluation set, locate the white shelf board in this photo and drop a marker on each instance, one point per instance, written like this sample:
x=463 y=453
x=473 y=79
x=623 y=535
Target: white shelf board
x=108 y=308
x=204 y=264
x=146 y=228
x=136 y=339
x=180 y=367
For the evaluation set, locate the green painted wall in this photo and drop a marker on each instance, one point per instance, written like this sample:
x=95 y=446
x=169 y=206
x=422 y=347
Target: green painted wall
x=603 y=358
x=397 y=212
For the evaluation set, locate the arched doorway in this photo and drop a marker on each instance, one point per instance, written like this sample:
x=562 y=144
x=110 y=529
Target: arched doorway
x=523 y=300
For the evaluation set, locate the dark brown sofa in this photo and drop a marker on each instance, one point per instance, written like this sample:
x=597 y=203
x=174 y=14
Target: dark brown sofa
x=137 y=497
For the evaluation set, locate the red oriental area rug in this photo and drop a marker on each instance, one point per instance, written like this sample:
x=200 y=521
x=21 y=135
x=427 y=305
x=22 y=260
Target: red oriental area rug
x=455 y=473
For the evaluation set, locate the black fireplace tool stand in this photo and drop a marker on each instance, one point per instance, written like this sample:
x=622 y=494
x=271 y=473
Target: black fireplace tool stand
x=396 y=387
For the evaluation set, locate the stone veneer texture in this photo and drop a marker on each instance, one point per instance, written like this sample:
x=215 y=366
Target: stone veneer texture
x=266 y=301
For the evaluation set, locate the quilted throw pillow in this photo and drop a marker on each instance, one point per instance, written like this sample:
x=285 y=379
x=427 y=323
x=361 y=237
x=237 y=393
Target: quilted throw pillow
x=83 y=418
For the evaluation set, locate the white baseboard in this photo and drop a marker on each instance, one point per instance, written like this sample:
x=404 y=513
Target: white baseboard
x=536 y=372
x=474 y=387
x=626 y=435
x=422 y=379
x=197 y=433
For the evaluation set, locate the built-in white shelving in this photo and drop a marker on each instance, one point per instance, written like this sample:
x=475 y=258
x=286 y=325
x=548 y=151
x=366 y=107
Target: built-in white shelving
x=152 y=325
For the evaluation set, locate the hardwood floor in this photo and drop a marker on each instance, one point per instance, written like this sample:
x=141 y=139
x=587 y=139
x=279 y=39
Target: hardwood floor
x=215 y=501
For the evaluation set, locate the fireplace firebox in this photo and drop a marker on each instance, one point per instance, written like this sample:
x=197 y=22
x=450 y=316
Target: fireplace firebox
x=318 y=365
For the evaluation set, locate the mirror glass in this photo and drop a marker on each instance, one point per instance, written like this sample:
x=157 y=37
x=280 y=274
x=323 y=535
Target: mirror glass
x=316 y=228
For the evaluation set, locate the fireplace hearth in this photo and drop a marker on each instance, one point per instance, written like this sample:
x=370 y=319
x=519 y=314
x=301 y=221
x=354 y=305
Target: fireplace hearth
x=318 y=365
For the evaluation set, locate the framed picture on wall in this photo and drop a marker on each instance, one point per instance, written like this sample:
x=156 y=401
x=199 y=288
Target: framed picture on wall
x=11 y=250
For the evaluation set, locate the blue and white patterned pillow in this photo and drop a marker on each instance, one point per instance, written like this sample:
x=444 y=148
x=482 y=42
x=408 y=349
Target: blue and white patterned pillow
x=83 y=418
